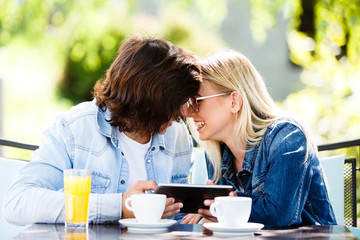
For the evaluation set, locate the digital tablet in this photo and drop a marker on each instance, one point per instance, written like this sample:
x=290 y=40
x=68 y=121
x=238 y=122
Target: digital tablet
x=192 y=195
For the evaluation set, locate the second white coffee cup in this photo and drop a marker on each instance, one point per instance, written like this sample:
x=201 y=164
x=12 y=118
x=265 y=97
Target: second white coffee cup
x=231 y=211
x=147 y=208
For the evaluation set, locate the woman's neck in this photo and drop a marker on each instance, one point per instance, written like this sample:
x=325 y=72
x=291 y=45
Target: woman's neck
x=239 y=155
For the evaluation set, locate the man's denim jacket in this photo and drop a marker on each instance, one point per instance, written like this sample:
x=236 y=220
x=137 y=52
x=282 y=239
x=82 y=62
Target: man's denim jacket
x=285 y=190
x=36 y=194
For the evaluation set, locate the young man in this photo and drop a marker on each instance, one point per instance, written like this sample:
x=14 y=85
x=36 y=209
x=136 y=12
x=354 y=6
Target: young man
x=134 y=125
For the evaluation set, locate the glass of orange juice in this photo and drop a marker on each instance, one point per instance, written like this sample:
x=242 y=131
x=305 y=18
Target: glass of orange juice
x=77 y=187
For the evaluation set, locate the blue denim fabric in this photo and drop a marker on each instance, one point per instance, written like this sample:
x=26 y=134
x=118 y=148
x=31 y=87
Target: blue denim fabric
x=36 y=194
x=286 y=191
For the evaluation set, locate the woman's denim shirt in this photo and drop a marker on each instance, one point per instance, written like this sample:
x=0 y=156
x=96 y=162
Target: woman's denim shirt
x=36 y=194
x=285 y=190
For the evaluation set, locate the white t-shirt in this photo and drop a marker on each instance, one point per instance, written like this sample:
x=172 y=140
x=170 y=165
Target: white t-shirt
x=135 y=155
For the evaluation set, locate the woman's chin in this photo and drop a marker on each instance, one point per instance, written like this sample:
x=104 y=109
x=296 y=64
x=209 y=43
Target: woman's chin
x=202 y=137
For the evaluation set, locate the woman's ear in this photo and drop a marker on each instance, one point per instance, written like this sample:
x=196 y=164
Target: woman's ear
x=237 y=101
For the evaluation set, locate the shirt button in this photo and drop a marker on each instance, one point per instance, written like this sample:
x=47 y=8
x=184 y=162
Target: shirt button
x=153 y=149
x=148 y=161
x=122 y=153
x=122 y=181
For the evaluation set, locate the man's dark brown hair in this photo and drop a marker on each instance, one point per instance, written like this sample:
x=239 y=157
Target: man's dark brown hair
x=147 y=84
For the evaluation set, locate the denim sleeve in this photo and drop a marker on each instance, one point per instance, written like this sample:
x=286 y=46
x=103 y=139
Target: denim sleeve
x=36 y=193
x=278 y=198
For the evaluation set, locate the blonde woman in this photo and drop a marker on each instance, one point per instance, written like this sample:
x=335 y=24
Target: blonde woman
x=254 y=147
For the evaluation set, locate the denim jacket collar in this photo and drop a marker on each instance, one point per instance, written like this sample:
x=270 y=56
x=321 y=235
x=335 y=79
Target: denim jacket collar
x=158 y=140
x=227 y=158
x=249 y=160
x=102 y=122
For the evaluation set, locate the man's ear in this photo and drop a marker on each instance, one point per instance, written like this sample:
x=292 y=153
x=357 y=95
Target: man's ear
x=237 y=101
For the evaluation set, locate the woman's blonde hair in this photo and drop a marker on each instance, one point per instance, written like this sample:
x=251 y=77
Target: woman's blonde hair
x=229 y=71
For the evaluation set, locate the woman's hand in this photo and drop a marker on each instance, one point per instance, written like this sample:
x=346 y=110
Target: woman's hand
x=192 y=218
x=205 y=213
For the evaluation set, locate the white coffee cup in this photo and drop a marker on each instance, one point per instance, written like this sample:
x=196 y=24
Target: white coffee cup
x=231 y=211
x=147 y=208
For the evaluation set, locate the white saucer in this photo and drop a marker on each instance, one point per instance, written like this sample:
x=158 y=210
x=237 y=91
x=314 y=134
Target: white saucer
x=134 y=226
x=247 y=229
x=146 y=230
x=233 y=234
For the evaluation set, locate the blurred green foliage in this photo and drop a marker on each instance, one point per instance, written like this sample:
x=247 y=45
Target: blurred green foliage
x=86 y=62
x=323 y=38
x=78 y=40
x=85 y=35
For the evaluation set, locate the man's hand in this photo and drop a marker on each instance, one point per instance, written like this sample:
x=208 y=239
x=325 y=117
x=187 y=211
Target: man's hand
x=171 y=208
x=138 y=188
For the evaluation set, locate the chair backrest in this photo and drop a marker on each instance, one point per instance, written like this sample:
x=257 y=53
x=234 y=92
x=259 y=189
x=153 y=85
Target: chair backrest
x=333 y=168
x=8 y=168
x=198 y=172
x=350 y=197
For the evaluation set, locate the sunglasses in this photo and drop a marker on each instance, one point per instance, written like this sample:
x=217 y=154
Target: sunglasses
x=194 y=102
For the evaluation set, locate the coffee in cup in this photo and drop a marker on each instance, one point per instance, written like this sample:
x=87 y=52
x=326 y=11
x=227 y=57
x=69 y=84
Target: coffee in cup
x=147 y=208
x=231 y=211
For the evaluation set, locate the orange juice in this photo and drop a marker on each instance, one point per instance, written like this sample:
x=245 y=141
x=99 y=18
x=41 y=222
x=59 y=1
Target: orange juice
x=77 y=192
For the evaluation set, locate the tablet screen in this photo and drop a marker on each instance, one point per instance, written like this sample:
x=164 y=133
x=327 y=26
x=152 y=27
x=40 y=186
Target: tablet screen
x=192 y=195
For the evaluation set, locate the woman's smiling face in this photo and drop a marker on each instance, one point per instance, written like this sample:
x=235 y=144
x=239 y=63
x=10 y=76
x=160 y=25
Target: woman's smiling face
x=214 y=121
